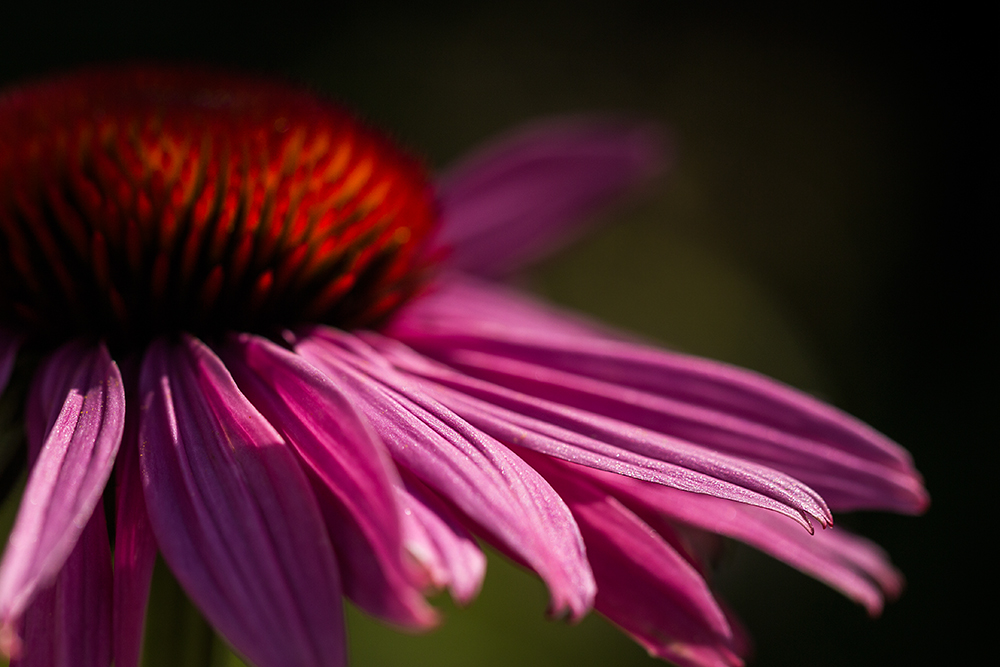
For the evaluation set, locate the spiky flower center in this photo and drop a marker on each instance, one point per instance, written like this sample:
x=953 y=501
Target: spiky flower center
x=135 y=202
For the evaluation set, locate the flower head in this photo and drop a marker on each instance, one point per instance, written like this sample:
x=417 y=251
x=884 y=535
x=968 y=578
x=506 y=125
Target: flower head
x=293 y=373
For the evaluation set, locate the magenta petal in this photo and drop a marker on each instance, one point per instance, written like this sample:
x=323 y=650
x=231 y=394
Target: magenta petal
x=605 y=443
x=351 y=469
x=69 y=623
x=542 y=437
x=9 y=343
x=233 y=513
x=852 y=565
x=844 y=480
x=472 y=315
x=135 y=552
x=439 y=543
x=483 y=479
x=643 y=584
x=459 y=306
x=75 y=417
x=513 y=201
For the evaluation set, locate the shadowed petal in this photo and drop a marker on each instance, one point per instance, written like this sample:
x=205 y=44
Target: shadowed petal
x=69 y=623
x=436 y=540
x=582 y=437
x=671 y=390
x=135 y=551
x=9 y=343
x=75 y=417
x=233 y=513
x=349 y=464
x=487 y=483
x=854 y=566
x=515 y=200
x=643 y=584
x=11 y=451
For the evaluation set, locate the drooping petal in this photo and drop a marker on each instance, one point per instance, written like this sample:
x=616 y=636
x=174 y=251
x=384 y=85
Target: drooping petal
x=583 y=437
x=350 y=468
x=233 y=513
x=9 y=344
x=492 y=487
x=69 y=623
x=670 y=391
x=852 y=565
x=135 y=551
x=75 y=417
x=11 y=451
x=438 y=542
x=844 y=480
x=643 y=584
x=515 y=200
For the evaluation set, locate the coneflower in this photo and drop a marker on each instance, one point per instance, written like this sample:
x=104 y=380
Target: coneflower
x=281 y=353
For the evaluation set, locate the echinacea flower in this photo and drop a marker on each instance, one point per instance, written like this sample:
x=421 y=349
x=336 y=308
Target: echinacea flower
x=283 y=360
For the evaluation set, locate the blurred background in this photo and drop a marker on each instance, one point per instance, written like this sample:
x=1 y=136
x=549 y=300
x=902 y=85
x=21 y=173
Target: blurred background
x=826 y=222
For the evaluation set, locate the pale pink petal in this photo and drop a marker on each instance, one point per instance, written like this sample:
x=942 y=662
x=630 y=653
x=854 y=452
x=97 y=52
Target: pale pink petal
x=467 y=315
x=437 y=541
x=350 y=468
x=9 y=344
x=234 y=514
x=515 y=200
x=856 y=567
x=135 y=551
x=75 y=417
x=643 y=584
x=69 y=623
x=507 y=500
x=576 y=435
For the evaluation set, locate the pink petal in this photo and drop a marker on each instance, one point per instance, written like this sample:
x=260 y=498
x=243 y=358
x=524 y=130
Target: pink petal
x=233 y=513
x=350 y=468
x=75 y=417
x=135 y=551
x=435 y=539
x=582 y=437
x=643 y=585
x=487 y=483
x=515 y=200
x=9 y=344
x=854 y=566
x=69 y=623
x=844 y=480
x=466 y=315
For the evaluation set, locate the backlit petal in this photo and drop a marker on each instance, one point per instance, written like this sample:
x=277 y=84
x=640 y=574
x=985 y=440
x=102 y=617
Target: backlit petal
x=844 y=480
x=643 y=584
x=233 y=513
x=728 y=408
x=351 y=469
x=506 y=499
x=75 y=417
x=439 y=543
x=583 y=437
x=851 y=564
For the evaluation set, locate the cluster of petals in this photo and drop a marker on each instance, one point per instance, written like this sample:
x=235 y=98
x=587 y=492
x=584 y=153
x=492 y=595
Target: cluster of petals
x=275 y=477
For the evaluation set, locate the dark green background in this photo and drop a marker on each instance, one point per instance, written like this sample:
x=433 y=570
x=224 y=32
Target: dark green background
x=827 y=222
